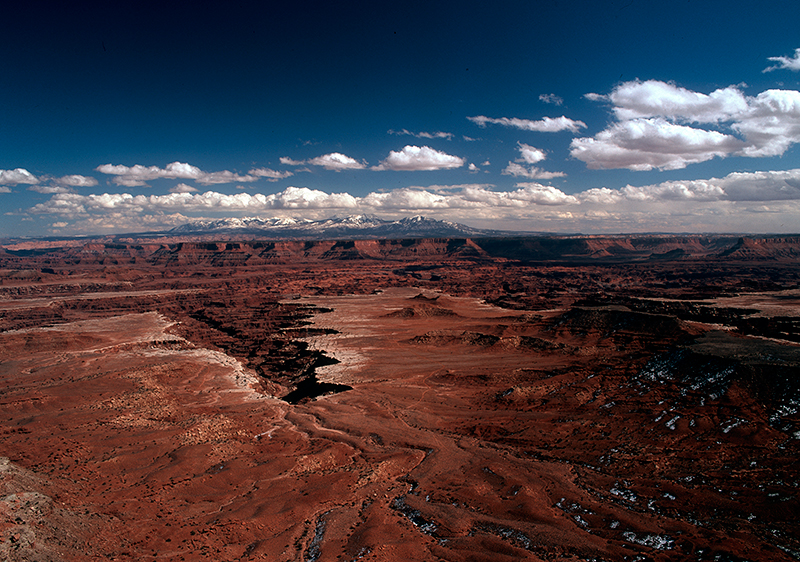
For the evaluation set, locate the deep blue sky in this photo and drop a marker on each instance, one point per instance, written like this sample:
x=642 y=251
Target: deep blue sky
x=235 y=87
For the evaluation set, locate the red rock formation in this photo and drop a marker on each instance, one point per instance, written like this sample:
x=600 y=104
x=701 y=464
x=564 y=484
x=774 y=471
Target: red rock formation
x=175 y=406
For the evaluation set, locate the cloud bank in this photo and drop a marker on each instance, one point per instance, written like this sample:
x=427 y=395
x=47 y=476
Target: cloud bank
x=74 y=205
x=695 y=204
x=740 y=186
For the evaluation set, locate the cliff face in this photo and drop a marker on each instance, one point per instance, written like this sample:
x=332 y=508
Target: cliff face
x=763 y=249
x=529 y=249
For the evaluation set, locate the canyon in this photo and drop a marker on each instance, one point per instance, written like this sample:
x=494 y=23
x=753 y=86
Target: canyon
x=190 y=397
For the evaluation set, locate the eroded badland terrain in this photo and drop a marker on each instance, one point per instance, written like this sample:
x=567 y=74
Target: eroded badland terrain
x=528 y=399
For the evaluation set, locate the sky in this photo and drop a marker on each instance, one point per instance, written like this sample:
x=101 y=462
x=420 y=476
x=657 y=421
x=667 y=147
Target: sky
x=596 y=117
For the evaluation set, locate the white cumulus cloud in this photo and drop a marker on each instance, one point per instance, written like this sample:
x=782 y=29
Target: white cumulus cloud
x=654 y=98
x=138 y=175
x=305 y=198
x=337 y=161
x=660 y=125
x=761 y=186
x=529 y=193
x=771 y=123
x=71 y=204
x=419 y=158
x=407 y=199
x=644 y=144
x=792 y=63
x=76 y=180
x=544 y=194
x=17 y=176
x=697 y=190
x=530 y=155
x=544 y=125
x=601 y=195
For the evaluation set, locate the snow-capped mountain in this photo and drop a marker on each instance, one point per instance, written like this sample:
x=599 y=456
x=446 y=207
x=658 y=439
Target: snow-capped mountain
x=351 y=226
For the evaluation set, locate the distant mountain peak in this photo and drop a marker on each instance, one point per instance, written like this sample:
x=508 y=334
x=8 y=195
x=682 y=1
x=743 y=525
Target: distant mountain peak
x=358 y=219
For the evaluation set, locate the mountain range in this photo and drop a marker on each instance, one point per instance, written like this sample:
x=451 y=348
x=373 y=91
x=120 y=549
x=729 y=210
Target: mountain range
x=351 y=227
